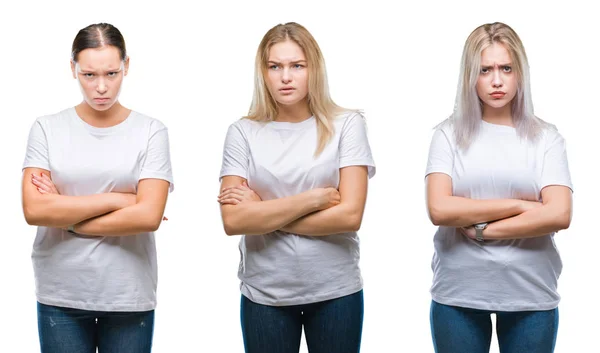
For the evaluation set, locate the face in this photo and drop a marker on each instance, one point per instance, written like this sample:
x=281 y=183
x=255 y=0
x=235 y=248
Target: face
x=497 y=83
x=287 y=73
x=100 y=73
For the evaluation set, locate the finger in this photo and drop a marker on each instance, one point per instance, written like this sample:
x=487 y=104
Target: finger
x=229 y=202
x=46 y=182
x=46 y=179
x=42 y=191
x=232 y=192
x=41 y=185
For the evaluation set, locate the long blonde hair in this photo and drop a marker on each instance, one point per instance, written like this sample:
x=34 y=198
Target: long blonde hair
x=322 y=107
x=467 y=113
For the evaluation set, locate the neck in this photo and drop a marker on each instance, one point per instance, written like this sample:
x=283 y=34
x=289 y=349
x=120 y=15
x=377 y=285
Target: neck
x=498 y=116
x=106 y=118
x=293 y=113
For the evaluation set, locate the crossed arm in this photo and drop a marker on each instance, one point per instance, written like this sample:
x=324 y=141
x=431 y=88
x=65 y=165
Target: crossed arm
x=507 y=218
x=107 y=214
x=317 y=212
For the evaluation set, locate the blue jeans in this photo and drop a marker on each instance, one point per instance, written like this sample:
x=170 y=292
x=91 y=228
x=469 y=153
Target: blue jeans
x=458 y=330
x=332 y=326
x=67 y=330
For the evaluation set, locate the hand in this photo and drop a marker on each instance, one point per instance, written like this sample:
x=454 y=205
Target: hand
x=468 y=232
x=237 y=194
x=44 y=184
x=327 y=197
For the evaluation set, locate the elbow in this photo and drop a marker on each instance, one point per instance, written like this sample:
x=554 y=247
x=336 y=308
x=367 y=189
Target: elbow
x=354 y=223
x=32 y=217
x=152 y=224
x=435 y=216
x=564 y=220
x=229 y=227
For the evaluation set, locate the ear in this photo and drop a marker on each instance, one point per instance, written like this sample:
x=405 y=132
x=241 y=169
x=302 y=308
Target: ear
x=73 y=69
x=126 y=65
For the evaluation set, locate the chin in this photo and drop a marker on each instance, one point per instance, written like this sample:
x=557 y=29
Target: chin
x=497 y=104
x=101 y=107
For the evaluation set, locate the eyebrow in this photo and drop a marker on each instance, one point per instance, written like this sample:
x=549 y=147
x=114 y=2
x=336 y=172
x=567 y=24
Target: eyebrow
x=291 y=62
x=491 y=66
x=89 y=71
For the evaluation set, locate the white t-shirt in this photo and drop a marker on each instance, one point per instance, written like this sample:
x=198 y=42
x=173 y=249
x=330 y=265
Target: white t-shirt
x=503 y=275
x=89 y=272
x=277 y=159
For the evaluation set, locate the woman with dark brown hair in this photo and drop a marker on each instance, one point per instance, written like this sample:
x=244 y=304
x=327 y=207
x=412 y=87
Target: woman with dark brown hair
x=95 y=182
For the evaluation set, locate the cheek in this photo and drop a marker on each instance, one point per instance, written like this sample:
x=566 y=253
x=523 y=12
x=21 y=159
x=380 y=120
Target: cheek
x=480 y=86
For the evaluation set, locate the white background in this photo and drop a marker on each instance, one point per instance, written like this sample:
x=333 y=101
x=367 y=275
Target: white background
x=192 y=68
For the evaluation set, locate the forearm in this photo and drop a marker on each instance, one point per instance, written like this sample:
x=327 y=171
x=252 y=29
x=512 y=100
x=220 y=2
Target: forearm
x=261 y=217
x=52 y=210
x=334 y=220
x=130 y=220
x=454 y=211
x=533 y=223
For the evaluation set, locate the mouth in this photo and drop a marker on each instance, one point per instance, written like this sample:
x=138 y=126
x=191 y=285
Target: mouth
x=498 y=94
x=287 y=90
x=101 y=100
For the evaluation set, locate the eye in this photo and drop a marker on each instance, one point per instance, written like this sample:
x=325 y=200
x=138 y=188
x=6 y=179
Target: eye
x=298 y=66
x=273 y=67
x=88 y=75
x=485 y=70
x=112 y=74
x=507 y=68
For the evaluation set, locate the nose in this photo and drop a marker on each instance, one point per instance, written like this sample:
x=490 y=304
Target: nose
x=497 y=79
x=286 y=76
x=101 y=87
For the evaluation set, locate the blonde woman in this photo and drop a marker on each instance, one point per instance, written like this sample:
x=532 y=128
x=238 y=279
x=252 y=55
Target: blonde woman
x=294 y=184
x=95 y=181
x=499 y=188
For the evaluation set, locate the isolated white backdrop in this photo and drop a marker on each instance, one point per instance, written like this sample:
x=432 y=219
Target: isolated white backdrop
x=192 y=68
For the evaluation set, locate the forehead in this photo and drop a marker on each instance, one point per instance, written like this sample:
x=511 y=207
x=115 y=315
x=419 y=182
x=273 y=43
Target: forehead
x=99 y=58
x=495 y=54
x=286 y=51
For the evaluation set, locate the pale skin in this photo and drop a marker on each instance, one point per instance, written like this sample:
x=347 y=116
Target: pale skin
x=317 y=212
x=506 y=218
x=100 y=73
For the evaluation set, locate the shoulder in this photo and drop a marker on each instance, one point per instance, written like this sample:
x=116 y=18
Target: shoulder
x=445 y=130
x=246 y=126
x=549 y=133
x=141 y=119
x=349 y=120
x=54 y=120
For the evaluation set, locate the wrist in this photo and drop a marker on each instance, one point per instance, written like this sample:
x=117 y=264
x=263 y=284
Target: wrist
x=479 y=229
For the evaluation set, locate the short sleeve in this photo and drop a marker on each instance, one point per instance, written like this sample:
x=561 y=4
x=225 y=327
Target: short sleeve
x=157 y=164
x=354 y=144
x=36 y=155
x=235 y=153
x=441 y=154
x=555 y=170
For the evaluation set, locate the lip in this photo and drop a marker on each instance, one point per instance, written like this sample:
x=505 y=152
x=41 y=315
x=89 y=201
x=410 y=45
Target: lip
x=498 y=94
x=101 y=100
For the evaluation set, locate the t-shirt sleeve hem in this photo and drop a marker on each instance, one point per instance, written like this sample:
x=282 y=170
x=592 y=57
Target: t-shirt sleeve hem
x=369 y=163
x=234 y=172
x=154 y=175
x=556 y=183
x=35 y=164
x=437 y=170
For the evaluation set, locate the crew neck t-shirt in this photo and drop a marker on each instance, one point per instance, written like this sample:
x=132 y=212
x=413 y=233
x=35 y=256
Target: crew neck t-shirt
x=277 y=159
x=100 y=273
x=498 y=275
